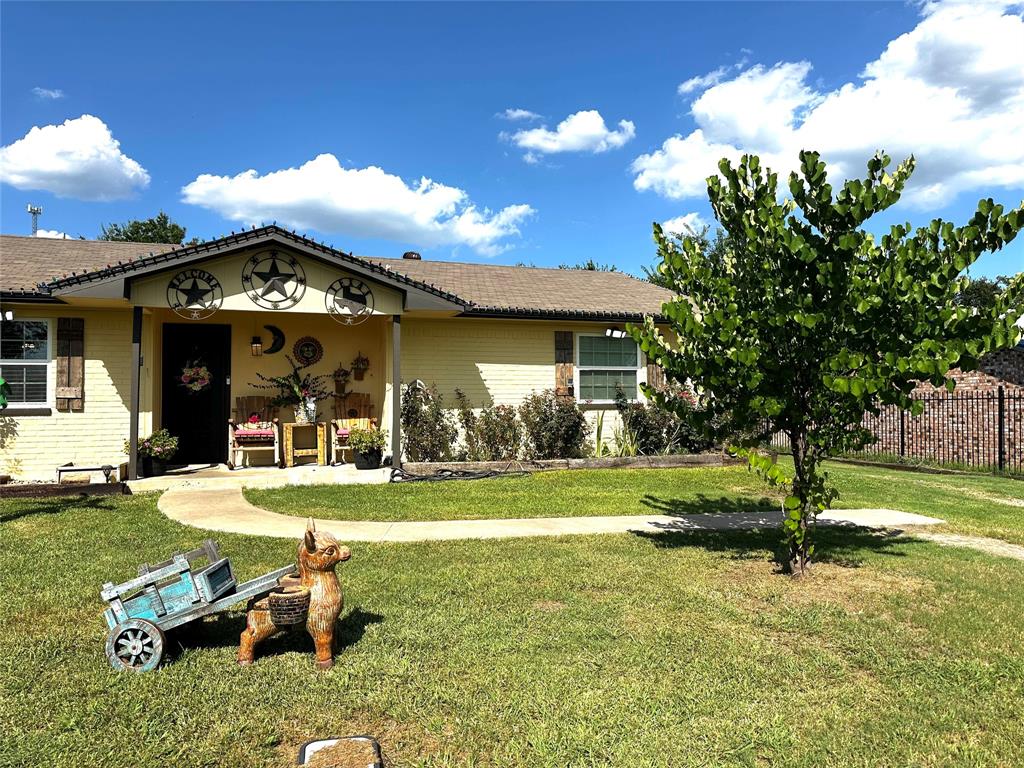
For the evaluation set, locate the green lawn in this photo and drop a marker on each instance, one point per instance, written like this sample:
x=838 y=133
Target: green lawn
x=974 y=504
x=642 y=650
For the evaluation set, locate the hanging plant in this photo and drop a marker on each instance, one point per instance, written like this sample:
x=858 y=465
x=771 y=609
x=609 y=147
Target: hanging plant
x=195 y=377
x=359 y=366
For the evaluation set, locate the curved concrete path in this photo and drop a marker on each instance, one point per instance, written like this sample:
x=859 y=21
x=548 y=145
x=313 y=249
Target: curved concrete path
x=227 y=510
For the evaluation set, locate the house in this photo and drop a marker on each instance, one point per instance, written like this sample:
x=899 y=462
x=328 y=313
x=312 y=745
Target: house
x=96 y=335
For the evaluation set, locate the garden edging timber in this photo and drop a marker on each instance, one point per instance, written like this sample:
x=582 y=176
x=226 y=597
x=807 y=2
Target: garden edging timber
x=607 y=462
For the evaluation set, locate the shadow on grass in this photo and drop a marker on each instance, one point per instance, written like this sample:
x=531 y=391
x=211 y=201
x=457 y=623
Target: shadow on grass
x=223 y=630
x=703 y=504
x=843 y=545
x=26 y=507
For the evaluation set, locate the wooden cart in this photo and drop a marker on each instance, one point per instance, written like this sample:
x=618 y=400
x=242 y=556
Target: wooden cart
x=169 y=594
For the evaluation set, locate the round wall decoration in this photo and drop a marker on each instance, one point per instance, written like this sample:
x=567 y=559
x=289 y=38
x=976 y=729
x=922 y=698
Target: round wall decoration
x=308 y=351
x=194 y=294
x=274 y=280
x=349 y=300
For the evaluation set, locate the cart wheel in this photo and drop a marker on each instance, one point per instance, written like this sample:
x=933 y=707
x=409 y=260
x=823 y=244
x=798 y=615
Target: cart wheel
x=135 y=644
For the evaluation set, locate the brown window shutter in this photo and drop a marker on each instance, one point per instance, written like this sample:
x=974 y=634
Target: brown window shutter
x=655 y=375
x=563 y=363
x=70 y=364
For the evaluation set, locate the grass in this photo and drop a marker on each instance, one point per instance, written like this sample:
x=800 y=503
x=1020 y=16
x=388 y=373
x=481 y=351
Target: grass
x=650 y=650
x=972 y=504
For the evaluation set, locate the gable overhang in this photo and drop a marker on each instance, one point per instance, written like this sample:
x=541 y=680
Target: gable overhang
x=115 y=281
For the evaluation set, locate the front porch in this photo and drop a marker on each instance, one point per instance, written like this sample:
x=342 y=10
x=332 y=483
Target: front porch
x=237 y=348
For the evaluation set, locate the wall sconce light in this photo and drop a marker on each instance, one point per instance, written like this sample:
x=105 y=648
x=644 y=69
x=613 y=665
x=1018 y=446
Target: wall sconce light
x=257 y=346
x=615 y=333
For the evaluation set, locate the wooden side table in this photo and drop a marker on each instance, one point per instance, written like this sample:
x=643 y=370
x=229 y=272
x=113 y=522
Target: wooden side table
x=291 y=452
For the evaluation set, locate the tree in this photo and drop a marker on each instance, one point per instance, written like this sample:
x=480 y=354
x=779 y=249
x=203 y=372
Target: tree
x=809 y=320
x=982 y=293
x=590 y=266
x=716 y=248
x=158 y=229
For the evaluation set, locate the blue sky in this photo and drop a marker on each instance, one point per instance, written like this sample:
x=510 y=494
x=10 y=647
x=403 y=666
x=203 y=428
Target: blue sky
x=388 y=94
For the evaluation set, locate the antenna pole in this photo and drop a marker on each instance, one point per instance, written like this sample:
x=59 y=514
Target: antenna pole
x=35 y=210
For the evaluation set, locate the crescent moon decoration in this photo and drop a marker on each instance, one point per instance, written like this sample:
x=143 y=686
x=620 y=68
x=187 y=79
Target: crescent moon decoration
x=278 y=343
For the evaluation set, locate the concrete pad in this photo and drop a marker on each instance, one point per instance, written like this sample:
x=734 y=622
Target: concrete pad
x=220 y=477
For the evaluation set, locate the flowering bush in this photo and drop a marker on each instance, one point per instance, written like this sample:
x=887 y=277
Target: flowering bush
x=160 y=445
x=428 y=430
x=195 y=378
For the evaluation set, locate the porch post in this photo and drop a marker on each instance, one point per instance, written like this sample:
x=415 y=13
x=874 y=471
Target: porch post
x=133 y=419
x=396 y=391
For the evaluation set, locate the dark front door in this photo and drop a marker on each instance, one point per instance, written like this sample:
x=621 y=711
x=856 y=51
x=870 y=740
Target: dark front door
x=195 y=412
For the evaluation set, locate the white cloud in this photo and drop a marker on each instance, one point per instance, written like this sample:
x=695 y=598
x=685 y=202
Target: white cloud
x=52 y=234
x=700 y=82
x=518 y=114
x=362 y=202
x=583 y=131
x=687 y=224
x=950 y=92
x=48 y=93
x=79 y=158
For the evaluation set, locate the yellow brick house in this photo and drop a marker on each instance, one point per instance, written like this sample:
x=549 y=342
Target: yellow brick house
x=95 y=335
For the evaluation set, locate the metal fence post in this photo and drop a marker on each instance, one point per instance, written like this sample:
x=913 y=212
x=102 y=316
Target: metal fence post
x=903 y=433
x=1002 y=429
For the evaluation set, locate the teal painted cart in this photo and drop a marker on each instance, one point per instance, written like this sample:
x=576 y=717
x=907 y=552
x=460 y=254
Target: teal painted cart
x=168 y=595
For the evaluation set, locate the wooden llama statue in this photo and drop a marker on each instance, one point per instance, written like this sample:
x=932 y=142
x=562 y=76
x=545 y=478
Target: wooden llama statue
x=319 y=553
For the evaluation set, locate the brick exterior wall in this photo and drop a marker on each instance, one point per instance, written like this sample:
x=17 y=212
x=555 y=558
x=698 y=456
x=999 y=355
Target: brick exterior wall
x=962 y=427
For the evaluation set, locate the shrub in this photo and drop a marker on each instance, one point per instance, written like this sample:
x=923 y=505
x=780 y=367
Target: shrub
x=555 y=426
x=367 y=440
x=499 y=434
x=494 y=434
x=656 y=430
x=468 y=419
x=428 y=430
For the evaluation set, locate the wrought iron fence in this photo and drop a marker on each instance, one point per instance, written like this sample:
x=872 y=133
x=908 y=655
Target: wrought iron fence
x=973 y=430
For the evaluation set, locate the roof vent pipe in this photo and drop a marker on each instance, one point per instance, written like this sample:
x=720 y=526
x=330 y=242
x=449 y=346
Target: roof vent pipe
x=411 y=255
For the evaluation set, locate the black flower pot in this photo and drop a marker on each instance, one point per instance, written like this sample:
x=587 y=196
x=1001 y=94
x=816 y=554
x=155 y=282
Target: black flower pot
x=370 y=460
x=153 y=467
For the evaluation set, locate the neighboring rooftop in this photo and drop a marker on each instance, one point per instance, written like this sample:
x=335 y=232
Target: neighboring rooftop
x=29 y=264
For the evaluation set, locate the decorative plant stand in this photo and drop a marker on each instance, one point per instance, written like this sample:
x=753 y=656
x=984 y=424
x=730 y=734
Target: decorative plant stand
x=291 y=453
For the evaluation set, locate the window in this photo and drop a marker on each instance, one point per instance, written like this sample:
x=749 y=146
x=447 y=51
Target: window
x=24 y=359
x=606 y=365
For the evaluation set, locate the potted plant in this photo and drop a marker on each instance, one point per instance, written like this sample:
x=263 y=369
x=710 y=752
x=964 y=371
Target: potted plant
x=155 y=451
x=299 y=390
x=367 y=446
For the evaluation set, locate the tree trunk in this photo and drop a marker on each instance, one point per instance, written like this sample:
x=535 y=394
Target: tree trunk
x=799 y=539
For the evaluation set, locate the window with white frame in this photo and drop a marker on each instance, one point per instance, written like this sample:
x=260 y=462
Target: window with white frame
x=604 y=365
x=24 y=359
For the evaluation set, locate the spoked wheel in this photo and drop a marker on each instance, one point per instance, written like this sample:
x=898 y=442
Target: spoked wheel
x=135 y=644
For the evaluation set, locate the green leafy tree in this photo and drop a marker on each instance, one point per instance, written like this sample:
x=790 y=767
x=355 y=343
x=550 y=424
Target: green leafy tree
x=590 y=266
x=158 y=229
x=982 y=293
x=810 y=320
x=715 y=248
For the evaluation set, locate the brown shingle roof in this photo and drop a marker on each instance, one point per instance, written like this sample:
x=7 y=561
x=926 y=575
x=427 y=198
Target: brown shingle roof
x=28 y=262
x=537 y=291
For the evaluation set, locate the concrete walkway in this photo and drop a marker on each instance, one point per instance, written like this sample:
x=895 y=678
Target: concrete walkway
x=226 y=509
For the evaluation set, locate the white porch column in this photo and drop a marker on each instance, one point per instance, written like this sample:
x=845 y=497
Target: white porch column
x=396 y=391
x=133 y=416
